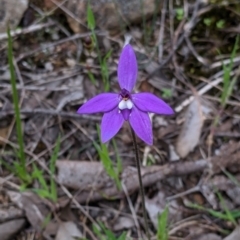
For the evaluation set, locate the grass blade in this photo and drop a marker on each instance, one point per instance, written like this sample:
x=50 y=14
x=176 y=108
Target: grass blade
x=16 y=106
x=53 y=187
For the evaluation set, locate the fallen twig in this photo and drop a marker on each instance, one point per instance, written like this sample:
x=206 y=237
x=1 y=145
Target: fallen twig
x=29 y=29
x=75 y=176
x=4 y=114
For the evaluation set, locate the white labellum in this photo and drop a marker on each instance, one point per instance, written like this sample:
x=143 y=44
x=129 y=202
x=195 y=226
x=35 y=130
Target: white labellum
x=125 y=104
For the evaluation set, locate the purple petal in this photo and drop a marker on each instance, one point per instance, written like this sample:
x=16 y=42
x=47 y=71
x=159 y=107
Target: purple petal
x=111 y=123
x=101 y=103
x=125 y=114
x=127 y=68
x=141 y=124
x=148 y=102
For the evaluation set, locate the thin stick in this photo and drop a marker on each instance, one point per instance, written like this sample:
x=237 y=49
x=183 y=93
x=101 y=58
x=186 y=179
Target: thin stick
x=48 y=112
x=140 y=183
x=29 y=29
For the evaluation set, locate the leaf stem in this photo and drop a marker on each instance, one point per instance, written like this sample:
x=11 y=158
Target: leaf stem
x=140 y=182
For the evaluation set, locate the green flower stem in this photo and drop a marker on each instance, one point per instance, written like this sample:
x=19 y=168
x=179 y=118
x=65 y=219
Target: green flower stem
x=140 y=183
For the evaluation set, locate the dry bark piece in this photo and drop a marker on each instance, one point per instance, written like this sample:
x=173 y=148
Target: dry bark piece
x=72 y=95
x=8 y=230
x=68 y=230
x=222 y=183
x=95 y=185
x=3 y=134
x=82 y=175
x=191 y=129
x=11 y=13
x=209 y=236
x=234 y=194
x=66 y=220
x=156 y=206
x=208 y=193
x=34 y=207
x=10 y=214
x=123 y=223
x=235 y=235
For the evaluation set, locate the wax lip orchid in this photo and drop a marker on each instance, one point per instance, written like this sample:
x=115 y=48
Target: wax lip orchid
x=125 y=105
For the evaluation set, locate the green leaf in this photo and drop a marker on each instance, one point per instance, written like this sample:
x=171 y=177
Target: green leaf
x=179 y=13
x=207 y=21
x=231 y=177
x=90 y=18
x=104 y=70
x=46 y=221
x=107 y=161
x=162 y=231
x=229 y=215
x=220 y=24
x=119 y=160
x=167 y=92
x=20 y=171
x=91 y=77
x=53 y=187
x=38 y=174
x=97 y=231
x=41 y=192
x=16 y=109
x=105 y=234
x=227 y=211
x=227 y=84
x=123 y=236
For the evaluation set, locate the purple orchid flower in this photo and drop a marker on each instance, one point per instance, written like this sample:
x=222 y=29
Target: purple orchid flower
x=126 y=106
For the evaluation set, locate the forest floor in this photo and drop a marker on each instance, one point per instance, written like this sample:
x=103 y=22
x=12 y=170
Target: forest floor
x=75 y=187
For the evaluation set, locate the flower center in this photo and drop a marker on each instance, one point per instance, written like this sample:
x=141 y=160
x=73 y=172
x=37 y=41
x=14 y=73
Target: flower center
x=125 y=94
x=126 y=102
